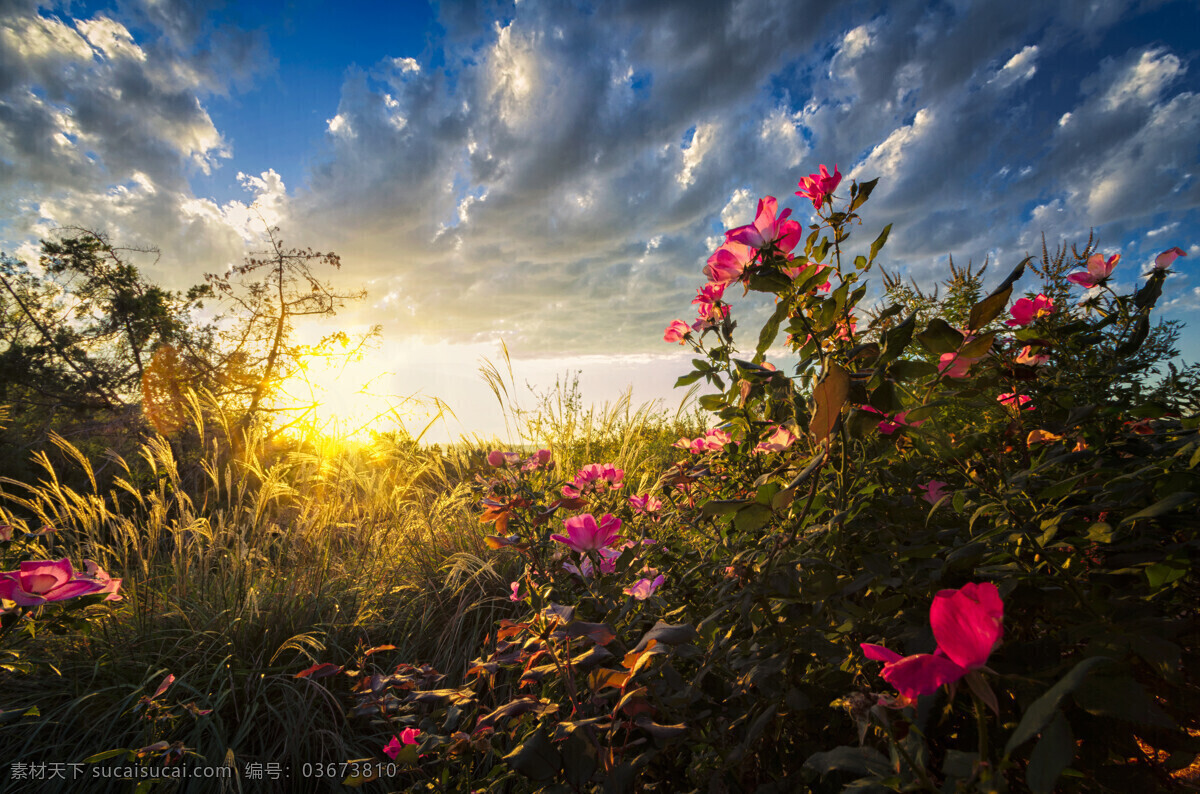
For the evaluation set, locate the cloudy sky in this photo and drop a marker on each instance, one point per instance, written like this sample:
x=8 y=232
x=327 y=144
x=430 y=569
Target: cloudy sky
x=554 y=174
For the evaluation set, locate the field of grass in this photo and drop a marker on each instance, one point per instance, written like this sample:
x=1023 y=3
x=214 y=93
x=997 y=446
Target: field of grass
x=238 y=573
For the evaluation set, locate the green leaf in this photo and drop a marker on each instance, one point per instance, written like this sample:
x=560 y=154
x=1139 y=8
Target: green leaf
x=1016 y=273
x=864 y=192
x=12 y=714
x=828 y=398
x=939 y=337
x=908 y=370
x=766 y=337
x=1162 y=507
x=1148 y=295
x=1163 y=573
x=688 y=379
x=1140 y=331
x=535 y=758
x=722 y=507
x=1039 y=714
x=879 y=241
x=959 y=764
x=988 y=309
x=667 y=634
x=1121 y=697
x=752 y=517
x=579 y=760
x=856 y=760
x=978 y=346
x=1051 y=755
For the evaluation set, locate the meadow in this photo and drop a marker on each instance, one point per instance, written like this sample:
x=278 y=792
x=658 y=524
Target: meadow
x=953 y=548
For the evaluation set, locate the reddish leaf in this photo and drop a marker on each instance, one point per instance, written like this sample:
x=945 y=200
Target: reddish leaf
x=323 y=670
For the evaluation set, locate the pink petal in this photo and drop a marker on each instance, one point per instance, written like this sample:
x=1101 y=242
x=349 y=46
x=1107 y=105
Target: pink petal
x=968 y=623
x=921 y=674
x=879 y=653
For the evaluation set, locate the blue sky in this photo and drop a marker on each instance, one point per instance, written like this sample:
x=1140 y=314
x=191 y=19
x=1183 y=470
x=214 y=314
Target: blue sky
x=555 y=174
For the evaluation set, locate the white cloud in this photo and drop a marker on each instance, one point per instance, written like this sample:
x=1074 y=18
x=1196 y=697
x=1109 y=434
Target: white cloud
x=1144 y=81
x=693 y=154
x=1018 y=69
x=112 y=39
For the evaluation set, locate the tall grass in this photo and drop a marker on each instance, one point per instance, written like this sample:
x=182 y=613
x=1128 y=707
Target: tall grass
x=241 y=570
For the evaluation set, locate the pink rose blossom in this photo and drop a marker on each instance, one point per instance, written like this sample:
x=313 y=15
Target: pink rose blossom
x=890 y=424
x=594 y=477
x=934 y=491
x=501 y=459
x=956 y=365
x=536 y=461
x=820 y=186
x=645 y=504
x=1013 y=400
x=41 y=581
x=676 y=331
x=1029 y=358
x=100 y=576
x=778 y=440
x=728 y=262
x=1098 y=270
x=768 y=229
x=1164 y=260
x=644 y=588
x=1026 y=311
x=585 y=534
x=967 y=624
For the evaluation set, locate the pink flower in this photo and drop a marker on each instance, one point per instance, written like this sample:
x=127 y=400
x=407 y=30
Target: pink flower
x=956 y=365
x=934 y=491
x=676 y=331
x=1098 y=270
x=713 y=440
x=1013 y=400
x=644 y=588
x=1029 y=358
x=780 y=439
x=38 y=582
x=516 y=586
x=819 y=187
x=845 y=330
x=500 y=459
x=594 y=477
x=1164 y=260
x=728 y=262
x=536 y=460
x=1026 y=311
x=967 y=625
x=767 y=229
x=100 y=576
x=585 y=534
x=645 y=504
x=407 y=736
x=890 y=424
x=608 y=562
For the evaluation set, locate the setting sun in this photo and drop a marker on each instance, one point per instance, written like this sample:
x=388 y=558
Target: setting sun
x=344 y=398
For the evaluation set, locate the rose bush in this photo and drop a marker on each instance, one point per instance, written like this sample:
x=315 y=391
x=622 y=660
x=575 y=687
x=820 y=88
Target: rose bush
x=994 y=495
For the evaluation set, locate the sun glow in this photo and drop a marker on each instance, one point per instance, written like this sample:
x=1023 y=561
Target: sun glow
x=344 y=398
